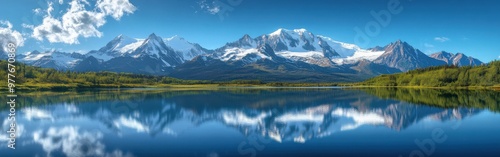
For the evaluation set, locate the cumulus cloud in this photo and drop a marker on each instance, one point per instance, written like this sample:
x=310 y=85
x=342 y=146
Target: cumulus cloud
x=8 y=35
x=116 y=8
x=441 y=39
x=77 y=21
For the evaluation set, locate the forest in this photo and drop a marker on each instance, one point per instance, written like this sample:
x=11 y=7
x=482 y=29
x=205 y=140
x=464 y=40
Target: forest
x=43 y=78
x=487 y=75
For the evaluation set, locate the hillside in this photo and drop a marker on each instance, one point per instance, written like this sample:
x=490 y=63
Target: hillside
x=29 y=77
x=442 y=76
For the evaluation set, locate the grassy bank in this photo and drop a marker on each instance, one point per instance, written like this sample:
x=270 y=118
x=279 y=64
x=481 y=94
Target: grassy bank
x=73 y=86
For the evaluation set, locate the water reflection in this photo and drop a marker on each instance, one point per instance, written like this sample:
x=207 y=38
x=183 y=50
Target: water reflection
x=126 y=123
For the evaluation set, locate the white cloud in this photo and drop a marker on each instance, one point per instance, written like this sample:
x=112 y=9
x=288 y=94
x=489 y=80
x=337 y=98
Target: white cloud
x=77 y=21
x=35 y=113
x=428 y=45
x=50 y=8
x=116 y=8
x=38 y=11
x=214 y=10
x=74 y=143
x=7 y=35
x=211 y=8
x=441 y=39
x=61 y=1
x=28 y=26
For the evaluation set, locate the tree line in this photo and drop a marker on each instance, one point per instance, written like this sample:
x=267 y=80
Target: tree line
x=442 y=76
x=31 y=75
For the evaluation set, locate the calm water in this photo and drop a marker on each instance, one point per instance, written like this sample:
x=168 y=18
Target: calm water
x=253 y=122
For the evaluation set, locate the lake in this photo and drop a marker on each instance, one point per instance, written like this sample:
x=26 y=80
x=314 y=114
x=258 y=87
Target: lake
x=255 y=122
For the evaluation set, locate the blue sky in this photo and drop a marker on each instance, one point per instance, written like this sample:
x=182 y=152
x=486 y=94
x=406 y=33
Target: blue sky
x=467 y=26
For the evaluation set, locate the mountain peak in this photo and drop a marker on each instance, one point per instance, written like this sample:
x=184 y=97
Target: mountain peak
x=278 y=32
x=246 y=36
x=299 y=31
x=398 y=44
x=444 y=53
x=245 y=41
x=458 y=59
x=122 y=37
x=404 y=57
x=152 y=35
x=401 y=42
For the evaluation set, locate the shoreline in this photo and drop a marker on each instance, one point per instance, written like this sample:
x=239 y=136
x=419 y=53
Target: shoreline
x=65 y=87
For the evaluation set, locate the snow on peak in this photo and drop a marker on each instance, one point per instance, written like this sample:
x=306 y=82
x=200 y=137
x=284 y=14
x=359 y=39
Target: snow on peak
x=302 y=45
x=132 y=46
x=61 y=59
x=122 y=40
x=277 y=32
x=301 y=31
x=154 y=37
x=184 y=48
x=178 y=43
x=120 y=45
x=175 y=38
x=153 y=45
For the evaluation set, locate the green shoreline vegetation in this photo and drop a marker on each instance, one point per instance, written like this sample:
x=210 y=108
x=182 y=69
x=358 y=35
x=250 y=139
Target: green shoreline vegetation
x=452 y=77
x=448 y=76
x=443 y=98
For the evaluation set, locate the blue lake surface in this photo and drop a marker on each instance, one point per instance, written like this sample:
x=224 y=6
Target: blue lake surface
x=255 y=122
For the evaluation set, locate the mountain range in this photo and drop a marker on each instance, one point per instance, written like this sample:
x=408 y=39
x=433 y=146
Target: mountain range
x=283 y=55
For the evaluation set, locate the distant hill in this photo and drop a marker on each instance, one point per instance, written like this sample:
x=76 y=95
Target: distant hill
x=442 y=76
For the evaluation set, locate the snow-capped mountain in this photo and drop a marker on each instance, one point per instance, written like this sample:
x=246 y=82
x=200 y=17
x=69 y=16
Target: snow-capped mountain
x=153 y=55
x=261 y=63
x=126 y=46
x=185 y=49
x=296 y=45
x=52 y=59
x=458 y=59
x=119 y=46
x=154 y=47
x=404 y=57
x=282 y=55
